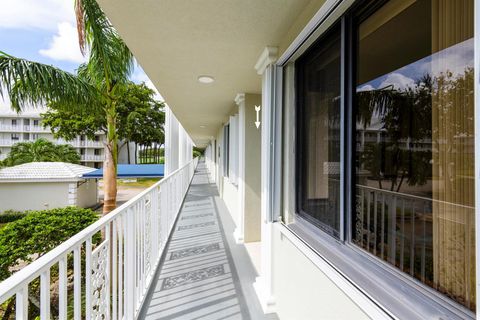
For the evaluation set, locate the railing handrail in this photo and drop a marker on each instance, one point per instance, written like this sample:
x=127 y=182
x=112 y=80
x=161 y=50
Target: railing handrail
x=406 y=195
x=9 y=286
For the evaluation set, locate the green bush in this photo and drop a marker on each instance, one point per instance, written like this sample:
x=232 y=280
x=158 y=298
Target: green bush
x=11 y=215
x=38 y=232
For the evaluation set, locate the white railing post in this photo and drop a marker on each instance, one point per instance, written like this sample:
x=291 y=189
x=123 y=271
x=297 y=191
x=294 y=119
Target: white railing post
x=21 y=301
x=129 y=265
x=155 y=214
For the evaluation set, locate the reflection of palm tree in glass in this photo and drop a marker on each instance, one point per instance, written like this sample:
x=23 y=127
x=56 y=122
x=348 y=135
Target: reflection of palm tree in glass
x=426 y=137
x=405 y=149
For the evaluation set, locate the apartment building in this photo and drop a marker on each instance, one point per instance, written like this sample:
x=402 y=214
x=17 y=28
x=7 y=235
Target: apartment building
x=27 y=126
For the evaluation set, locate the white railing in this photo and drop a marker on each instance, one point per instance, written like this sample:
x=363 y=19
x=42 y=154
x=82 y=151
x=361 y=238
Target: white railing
x=8 y=142
x=118 y=271
x=85 y=157
x=23 y=128
x=87 y=143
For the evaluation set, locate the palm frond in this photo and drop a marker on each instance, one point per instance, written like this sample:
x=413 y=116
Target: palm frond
x=110 y=60
x=31 y=83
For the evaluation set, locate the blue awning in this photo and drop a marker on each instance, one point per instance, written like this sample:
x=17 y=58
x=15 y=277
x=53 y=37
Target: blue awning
x=131 y=171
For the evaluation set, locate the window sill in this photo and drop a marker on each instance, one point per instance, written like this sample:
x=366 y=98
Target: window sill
x=378 y=289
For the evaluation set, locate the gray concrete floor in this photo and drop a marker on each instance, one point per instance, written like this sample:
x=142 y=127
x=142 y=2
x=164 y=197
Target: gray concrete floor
x=203 y=274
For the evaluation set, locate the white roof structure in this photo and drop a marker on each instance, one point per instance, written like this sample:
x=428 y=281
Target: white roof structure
x=29 y=111
x=44 y=172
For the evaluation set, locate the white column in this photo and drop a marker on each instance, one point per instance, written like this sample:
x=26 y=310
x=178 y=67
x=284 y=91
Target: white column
x=239 y=230
x=264 y=284
x=171 y=142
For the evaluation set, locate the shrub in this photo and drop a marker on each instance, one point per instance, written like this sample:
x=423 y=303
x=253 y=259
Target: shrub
x=38 y=232
x=11 y=215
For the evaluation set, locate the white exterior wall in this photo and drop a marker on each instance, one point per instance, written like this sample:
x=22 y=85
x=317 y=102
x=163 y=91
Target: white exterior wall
x=23 y=196
x=178 y=144
x=302 y=291
x=87 y=194
x=33 y=195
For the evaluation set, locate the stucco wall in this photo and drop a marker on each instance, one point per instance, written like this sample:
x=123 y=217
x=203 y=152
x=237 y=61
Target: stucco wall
x=87 y=194
x=252 y=207
x=33 y=196
x=302 y=291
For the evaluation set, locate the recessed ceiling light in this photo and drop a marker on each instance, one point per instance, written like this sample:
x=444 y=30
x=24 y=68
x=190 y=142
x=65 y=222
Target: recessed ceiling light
x=205 y=79
x=203 y=126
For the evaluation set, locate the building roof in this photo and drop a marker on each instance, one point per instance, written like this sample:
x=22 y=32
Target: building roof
x=44 y=171
x=131 y=171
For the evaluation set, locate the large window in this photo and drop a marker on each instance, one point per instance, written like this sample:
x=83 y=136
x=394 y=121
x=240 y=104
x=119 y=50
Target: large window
x=409 y=193
x=318 y=79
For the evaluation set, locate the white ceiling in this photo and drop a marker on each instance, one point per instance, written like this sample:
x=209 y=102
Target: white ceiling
x=175 y=41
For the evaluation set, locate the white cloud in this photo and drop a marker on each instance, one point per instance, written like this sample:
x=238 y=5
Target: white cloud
x=367 y=87
x=398 y=80
x=64 y=45
x=35 y=14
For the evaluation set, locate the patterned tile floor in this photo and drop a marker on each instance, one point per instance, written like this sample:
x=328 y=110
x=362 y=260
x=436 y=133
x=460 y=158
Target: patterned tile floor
x=198 y=278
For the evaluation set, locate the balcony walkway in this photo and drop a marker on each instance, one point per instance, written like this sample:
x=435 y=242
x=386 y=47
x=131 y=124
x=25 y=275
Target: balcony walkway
x=203 y=274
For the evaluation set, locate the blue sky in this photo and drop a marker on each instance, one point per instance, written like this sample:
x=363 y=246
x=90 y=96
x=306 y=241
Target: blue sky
x=44 y=31
x=454 y=59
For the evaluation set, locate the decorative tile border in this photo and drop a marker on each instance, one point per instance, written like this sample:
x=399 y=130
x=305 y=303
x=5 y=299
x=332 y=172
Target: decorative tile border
x=201 y=215
x=192 y=276
x=197 y=225
x=193 y=251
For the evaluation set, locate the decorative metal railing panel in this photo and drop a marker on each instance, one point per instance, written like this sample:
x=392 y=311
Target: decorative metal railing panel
x=105 y=271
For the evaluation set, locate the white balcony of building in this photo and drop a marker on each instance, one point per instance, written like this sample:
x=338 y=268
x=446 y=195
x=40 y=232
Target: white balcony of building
x=23 y=128
x=169 y=255
x=88 y=157
x=7 y=142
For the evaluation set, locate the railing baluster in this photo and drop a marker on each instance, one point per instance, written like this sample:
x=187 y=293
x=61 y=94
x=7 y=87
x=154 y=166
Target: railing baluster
x=393 y=230
x=368 y=220
x=402 y=242
x=88 y=278
x=45 y=295
x=375 y=208
x=120 y=265
x=21 y=303
x=62 y=288
x=382 y=236
x=412 y=241
x=114 y=269
x=424 y=242
x=108 y=280
x=130 y=264
x=77 y=284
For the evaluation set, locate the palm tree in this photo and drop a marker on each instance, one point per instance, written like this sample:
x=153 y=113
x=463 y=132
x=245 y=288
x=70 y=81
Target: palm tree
x=97 y=84
x=41 y=150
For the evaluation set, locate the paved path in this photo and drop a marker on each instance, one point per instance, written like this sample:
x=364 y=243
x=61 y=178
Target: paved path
x=198 y=278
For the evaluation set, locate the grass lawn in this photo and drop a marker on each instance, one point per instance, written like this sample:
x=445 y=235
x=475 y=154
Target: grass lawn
x=141 y=182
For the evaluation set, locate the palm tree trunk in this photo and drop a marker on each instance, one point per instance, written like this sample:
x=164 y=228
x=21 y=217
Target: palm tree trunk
x=128 y=151
x=136 y=153
x=110 y=163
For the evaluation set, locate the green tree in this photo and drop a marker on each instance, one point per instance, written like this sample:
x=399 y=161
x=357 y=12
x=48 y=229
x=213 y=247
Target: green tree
x=97 y=84
x=40 y=150
x=29 y=238
x=140 y=118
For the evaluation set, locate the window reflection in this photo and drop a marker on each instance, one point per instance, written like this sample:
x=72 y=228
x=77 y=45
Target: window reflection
x=415 y=142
